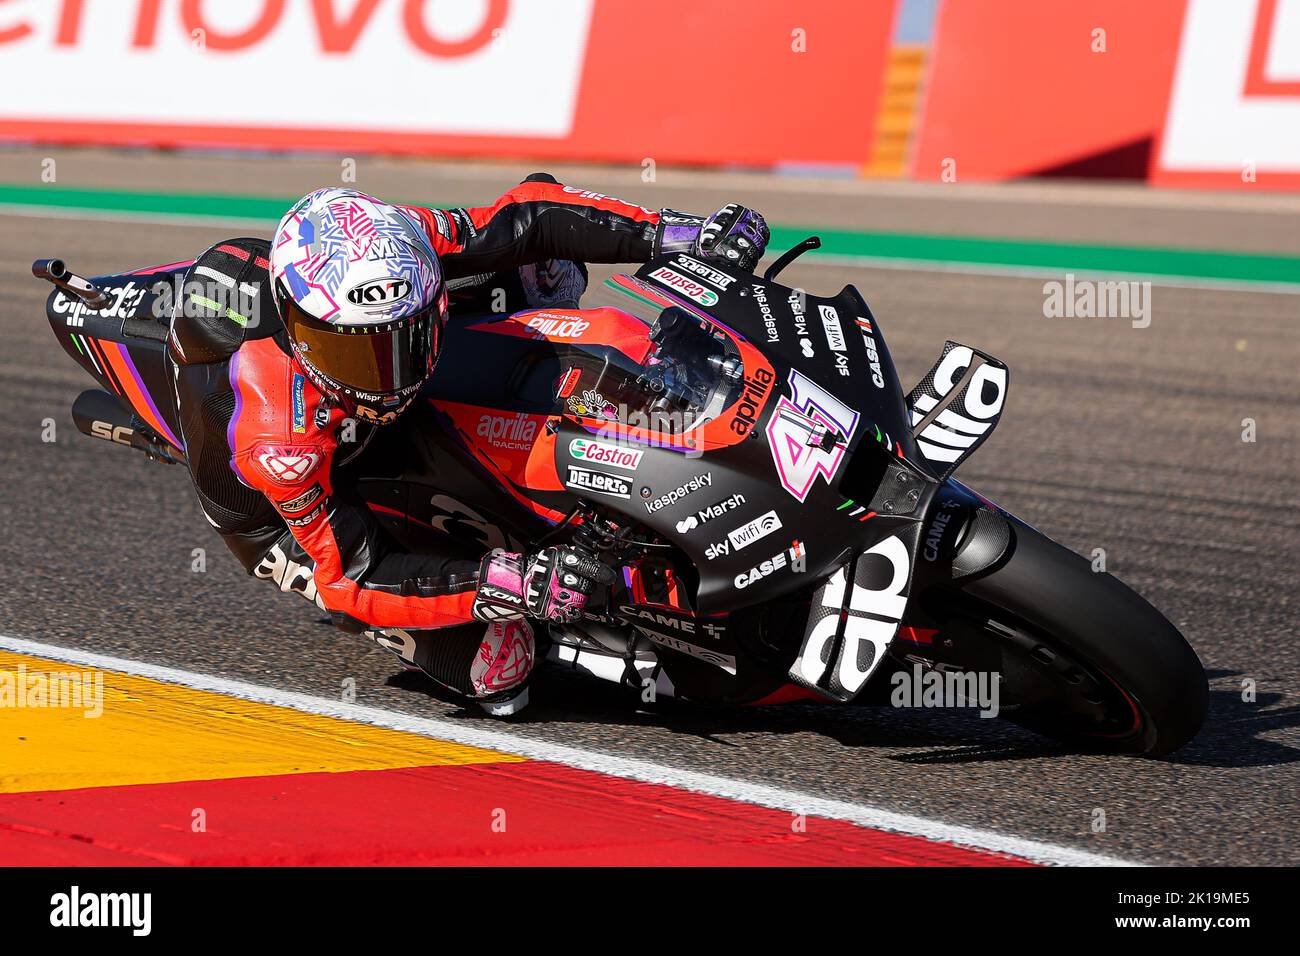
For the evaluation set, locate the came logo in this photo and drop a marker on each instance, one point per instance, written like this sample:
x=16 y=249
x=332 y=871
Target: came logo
x=687 y=286
x=379 y=291
x=601 y=453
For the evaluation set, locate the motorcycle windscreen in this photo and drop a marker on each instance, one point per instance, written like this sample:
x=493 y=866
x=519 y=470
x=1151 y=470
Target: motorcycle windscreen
x=832 y=341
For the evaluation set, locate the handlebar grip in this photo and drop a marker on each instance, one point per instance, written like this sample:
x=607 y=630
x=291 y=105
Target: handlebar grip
x=56 y=271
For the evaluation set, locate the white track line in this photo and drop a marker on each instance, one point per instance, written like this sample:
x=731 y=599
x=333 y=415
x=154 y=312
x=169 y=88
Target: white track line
x=609 y=764
x=834 y=260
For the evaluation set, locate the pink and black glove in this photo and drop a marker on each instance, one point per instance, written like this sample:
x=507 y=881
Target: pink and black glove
x=552 y=584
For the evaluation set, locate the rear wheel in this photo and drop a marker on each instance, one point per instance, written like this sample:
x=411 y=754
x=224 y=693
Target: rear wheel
x=1083 y=658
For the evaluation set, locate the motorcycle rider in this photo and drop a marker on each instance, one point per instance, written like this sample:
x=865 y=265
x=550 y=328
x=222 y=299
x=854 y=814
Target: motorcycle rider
x=359 y=289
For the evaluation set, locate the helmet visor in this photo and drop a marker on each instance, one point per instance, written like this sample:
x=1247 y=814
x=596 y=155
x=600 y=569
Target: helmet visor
x=367 y=360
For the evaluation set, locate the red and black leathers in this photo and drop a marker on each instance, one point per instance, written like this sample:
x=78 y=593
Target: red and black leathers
x=274 y=461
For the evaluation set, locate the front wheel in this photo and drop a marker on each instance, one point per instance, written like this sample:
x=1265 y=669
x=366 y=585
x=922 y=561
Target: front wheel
x=1083 y=658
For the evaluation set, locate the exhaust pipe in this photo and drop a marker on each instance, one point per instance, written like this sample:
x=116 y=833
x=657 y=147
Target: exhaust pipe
x=100 y=415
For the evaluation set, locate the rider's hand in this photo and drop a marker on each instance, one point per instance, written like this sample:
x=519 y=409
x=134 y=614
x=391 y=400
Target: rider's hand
x=552 y=584
x=735 y=235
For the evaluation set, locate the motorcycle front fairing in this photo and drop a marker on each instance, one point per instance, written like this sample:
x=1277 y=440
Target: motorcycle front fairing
x=850 y=485
x=759 y=429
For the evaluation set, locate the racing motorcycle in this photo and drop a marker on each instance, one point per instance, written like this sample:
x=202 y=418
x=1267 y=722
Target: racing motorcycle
x=783 y=514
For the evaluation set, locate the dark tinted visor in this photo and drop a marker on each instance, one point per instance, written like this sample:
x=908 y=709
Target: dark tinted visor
x=380 y=359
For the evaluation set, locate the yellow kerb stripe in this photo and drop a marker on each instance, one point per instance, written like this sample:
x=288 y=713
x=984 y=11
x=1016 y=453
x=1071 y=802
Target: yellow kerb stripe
x=152 y=732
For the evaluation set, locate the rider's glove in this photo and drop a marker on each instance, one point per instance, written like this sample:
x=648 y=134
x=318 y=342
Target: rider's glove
x=552 y=584
x=734 y=235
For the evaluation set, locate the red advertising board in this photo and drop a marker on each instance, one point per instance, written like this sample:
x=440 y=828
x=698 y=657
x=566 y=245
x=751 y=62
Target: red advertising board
x=1183 y=92
x=1026 y=87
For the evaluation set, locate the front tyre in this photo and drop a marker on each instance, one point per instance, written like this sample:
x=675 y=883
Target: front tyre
x=1084 y=658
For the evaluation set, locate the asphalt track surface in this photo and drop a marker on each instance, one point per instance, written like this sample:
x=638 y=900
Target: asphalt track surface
x=1114 y=437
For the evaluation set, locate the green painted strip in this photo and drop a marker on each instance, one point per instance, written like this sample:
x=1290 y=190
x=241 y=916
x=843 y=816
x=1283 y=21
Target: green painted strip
x=77 y=344
x=1060 y=257
x=167 y=204
x=971 y=251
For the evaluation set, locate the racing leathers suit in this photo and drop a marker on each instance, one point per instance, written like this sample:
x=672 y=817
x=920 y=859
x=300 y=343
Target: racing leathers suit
x=275 y=461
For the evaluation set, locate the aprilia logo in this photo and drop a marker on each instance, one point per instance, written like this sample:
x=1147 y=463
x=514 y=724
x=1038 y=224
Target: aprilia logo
x=558 y=326
x=751 y=401
x=880 y=589
x=514 y=432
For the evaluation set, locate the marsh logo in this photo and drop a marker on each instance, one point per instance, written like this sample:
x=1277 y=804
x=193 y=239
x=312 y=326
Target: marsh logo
x=709 y=512
x=133 y=911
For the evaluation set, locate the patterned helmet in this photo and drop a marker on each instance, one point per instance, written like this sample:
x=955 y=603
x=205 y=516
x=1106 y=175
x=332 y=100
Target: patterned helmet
x=361 y=294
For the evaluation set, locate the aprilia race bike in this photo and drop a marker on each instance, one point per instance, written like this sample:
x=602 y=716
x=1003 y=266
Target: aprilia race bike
x=783 y=514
